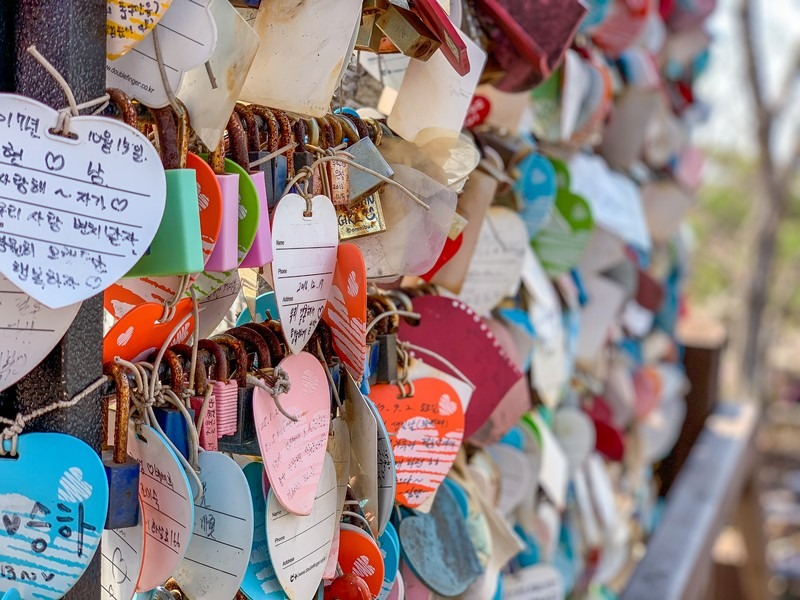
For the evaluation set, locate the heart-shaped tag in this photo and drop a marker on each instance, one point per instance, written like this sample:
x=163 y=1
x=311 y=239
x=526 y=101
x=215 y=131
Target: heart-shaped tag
x=346 y=311
x=516 y=477
x=360 y=555
x=304 y=250
x=427 y=431
x=186 y=35
x=537 y=186
x=339 y=449
x=53 y=502
x=438 y=549
x=260 y=580
x=122 y=561
x=218 y=554
x=294 y=451
x=453 y=330
x=140 y=332
x=390 y=551
x=167 y=506
x=497 y=262
x=364 y=456
x=128 y=23
x=28 y=331
x=299 y=546
x=79 y=212
x=479 y=109
x=387 y=472
x=563 y=240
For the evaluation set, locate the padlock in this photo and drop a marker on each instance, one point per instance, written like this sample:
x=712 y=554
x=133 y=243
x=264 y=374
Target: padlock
x=275 y=349
x=225 y=255
x=363 y=184
x=243 y=440
x=242 y=144
x=386 y=339
x=122 y=471
x=225 y=390
x=171 y=419
x=207 y=431
x=259 y=356
x=275 y=170
x=177 y=248
x=408 y=33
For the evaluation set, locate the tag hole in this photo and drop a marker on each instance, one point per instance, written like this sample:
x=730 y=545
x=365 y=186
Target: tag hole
x=141 y=438
x=70 y=135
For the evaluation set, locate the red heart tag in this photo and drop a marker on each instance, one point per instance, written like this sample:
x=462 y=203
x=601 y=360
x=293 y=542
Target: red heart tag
x=479 y=109
x=451 y=329
x=427 y=430
x=451 y=248
x=140 y=332
x=346 y=311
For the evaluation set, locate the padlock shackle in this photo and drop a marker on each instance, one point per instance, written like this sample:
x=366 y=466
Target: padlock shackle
x=239 y=353
x=287 y=137
x=251 y=126
x=273 y=129
x=174 y=369
x=166 y=128
x=221 y=366
x=237 y=139
x=200 y=374
x=123 y=393
x=257 y=343
x=124 y=104
x=348 y=129
x=276 y=351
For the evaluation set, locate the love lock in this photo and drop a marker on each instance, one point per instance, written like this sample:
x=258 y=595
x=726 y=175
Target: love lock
x=386 y=369
x=170 y=419
x=242 y=438
x=275 y=169
x=408 y=33
x=177 y=248
x=122 y=471
x=204 y=396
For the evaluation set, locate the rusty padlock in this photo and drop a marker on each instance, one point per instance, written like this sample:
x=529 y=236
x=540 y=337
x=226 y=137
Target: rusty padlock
x=408 y=33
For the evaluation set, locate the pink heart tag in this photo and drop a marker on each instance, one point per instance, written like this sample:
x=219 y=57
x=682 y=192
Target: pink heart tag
x=294 y=452
x=453 y=330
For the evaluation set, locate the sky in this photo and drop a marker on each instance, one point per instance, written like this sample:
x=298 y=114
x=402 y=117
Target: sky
x=723 y=86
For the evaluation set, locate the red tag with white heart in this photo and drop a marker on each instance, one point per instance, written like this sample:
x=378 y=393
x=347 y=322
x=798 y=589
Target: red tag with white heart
x=479 y=109
x=141 y=331
x=346 y=311
x=427 y=430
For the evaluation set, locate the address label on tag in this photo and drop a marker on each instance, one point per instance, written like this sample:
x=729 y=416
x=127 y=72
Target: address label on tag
x=186 y=36
x=28 y=331
x=76 y=214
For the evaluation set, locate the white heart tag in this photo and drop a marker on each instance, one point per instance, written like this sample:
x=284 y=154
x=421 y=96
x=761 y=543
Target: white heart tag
x=77 y=213
x=299 y=546
x=217 y=558
x=294 y=451
x=28 y=331
x=304 y=250
x=187 y=35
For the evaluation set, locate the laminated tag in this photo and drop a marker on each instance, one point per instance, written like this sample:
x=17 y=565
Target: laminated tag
x=186 y=35
x=28 y=331
x=122 y=561
x=128 y=23
x=316 y=34
x=78 y=213
x=210 y=103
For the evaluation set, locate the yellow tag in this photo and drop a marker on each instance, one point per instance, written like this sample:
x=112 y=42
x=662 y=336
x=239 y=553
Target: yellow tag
x=365 y=217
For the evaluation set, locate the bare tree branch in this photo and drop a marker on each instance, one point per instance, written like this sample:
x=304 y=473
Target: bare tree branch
x=747 y=20
x=789 y=85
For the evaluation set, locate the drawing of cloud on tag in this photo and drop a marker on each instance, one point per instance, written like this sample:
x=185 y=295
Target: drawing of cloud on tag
x=186 y=37
x=128 y=23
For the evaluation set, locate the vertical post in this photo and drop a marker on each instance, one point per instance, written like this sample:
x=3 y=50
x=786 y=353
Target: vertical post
x=71 y=35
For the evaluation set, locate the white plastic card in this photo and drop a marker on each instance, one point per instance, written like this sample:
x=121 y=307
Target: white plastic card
x=516 y=477
x=554 y=467
x=606 y=299
x=210 y=103
x=497 y=261
x=76 y=214
x=303 y=48
x=364 y=452
x=216 y=305
x=434 y=95
x=304 y=250
x=390 y=69
x=167 y=506
x=186 y=37
x=121 y=562
x=217 y=558
x=28 y=331
x=299 y=546
x=540 y=582
x=387 y=472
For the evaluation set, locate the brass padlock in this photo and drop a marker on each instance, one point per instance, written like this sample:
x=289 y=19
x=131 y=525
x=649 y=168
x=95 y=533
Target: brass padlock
x=408 y=33
x=362 y=218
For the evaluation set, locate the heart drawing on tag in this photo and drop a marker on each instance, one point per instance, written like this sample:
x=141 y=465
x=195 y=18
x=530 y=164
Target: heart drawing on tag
x=427 y=433
x=304 y=250
x=69 y=233
x=294 y=451
x=51 y=522
x=346 y=311
x=360 y=555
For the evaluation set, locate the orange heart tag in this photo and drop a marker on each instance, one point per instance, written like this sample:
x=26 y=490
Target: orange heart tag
x=427 y=430
x=346 y=311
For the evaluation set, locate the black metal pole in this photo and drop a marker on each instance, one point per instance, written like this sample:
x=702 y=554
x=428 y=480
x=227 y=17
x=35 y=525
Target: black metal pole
x=71 y=35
